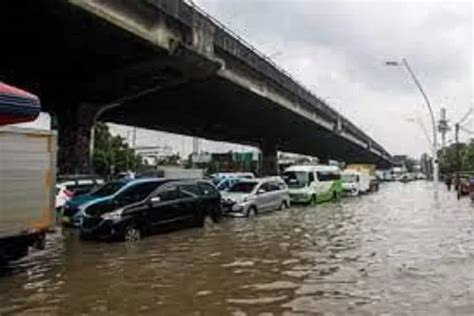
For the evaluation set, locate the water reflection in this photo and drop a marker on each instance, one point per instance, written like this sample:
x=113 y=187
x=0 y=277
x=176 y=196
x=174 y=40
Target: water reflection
x=391 y=252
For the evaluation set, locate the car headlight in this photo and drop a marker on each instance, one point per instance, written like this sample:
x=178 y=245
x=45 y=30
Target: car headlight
x=113 y=216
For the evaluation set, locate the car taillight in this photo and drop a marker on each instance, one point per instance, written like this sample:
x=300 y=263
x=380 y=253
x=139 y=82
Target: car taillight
x=68 y=193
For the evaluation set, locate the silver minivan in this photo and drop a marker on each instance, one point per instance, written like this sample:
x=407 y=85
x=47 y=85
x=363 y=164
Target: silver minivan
x=251 y=196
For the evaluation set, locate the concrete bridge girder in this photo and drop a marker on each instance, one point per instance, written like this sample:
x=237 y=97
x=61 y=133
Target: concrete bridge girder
x=114 y=49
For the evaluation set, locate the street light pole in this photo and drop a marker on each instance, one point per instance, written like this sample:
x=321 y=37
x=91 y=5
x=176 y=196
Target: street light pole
x=433 y=122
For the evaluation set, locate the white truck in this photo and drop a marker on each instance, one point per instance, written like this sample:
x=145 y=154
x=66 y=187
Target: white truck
x=27 y=189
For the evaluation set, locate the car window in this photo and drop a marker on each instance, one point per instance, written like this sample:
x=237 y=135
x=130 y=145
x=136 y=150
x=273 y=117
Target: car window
x=224 y=185
x=328 y=176
x=190 y=189
x=137 y=192
x=207 y=189
x=243 y=187
x=266 y=186
x=170 y=193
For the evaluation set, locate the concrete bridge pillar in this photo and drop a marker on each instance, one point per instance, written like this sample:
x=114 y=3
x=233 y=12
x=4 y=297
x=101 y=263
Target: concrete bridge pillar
x=269 y=159
x=74 y=133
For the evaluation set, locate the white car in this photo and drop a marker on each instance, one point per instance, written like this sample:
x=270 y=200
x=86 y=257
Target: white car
x=69 y=187
x=249 y=197
x=62 y=195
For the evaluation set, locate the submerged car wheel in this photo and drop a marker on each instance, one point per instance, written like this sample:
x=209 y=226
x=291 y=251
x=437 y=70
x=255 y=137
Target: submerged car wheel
x=132 y=234
x=283 y=205
x=251 y=212
x=313 y=200
x=336 y=196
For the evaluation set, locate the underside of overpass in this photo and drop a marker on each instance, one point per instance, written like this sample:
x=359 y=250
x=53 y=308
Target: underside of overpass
x=80 y=64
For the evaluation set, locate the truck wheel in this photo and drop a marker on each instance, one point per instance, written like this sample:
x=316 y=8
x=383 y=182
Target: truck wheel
x=132 y=234
x=40 y=243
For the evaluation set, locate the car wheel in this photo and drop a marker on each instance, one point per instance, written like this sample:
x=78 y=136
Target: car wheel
x=200 y=220
x=251 y=212
x=283 y=205
x=313 y=200
x=132 y=234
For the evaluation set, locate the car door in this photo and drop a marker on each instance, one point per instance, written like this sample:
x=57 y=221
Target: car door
x=189 y=202
x=264 y=196
x=163 y=207
x=274 y=195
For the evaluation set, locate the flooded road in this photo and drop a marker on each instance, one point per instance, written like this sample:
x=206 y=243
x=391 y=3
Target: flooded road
x=391 y=253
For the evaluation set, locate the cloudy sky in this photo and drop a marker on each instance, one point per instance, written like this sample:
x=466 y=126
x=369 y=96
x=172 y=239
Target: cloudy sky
x=338 y=50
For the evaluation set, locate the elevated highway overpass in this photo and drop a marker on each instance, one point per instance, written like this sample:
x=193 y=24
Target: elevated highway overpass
x=165 y=65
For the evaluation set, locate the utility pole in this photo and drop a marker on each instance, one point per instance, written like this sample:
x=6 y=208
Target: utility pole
x=434 y=148
x=458 y=150
x=443 y=127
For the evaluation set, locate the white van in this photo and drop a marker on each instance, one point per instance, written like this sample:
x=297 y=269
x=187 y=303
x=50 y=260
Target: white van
x=313 y=183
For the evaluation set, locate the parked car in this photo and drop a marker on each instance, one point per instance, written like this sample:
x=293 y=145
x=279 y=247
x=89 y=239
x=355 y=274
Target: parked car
x=374 y=184
x=62 y=196
x=252 y=196
x=72 y=215
x=464 y=186
x=224 y=180
x=147 y=205
x=69 y=186
x=80 y=184
x=313 y=183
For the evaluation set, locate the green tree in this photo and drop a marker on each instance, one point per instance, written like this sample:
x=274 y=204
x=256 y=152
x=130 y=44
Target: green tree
x=112 y=154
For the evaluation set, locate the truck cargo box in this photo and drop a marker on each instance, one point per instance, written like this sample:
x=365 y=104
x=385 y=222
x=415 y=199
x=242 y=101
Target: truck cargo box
x=27 y=181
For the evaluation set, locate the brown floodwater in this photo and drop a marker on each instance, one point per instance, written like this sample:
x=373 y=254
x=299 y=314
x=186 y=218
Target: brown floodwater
x=394 y=252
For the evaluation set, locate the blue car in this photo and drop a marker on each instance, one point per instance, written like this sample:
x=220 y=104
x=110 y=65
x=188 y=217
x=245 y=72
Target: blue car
x=72 y=215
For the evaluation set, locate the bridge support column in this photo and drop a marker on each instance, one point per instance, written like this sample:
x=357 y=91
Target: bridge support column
x=269 y=159
x=74 y=133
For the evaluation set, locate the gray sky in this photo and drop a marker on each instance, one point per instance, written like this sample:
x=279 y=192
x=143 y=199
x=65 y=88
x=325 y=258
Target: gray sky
x=338 y=50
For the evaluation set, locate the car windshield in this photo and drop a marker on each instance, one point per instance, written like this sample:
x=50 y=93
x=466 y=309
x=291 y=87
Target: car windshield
x=109 y=188
x=296 y=179
x=243 y=187
x=349 y=178
x=136 y=192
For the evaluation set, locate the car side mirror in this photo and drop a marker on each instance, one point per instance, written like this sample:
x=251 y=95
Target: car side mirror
x=261 y=191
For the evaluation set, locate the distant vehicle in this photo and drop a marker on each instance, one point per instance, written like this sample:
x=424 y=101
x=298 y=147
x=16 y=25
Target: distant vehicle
x=217 y=177
x=374 y=184
x=464 y=186
x=364 y=179
x=72 y=215
x=249 y=197
x=313 y=183
x=350 y=182
x=420 y=176
x=224 y=180
x=69 y=186
x=405 y=178
x=27 y=189
x=147 y=205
